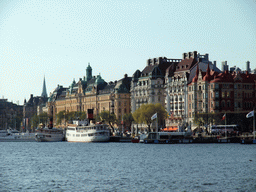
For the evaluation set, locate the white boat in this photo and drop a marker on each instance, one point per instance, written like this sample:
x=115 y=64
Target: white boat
x=167 y=137
x=49 y=135
x=81 y=132
x=14 y=135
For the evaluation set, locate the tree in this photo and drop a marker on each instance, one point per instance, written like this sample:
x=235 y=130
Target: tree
x=60 y=116
x=146 y=111
x=108 y=117
x=127 y=120
x=38 y=119
x=70 y=116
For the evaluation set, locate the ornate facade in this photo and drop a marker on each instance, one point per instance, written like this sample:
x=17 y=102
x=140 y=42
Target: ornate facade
x=220 y=93
x=92 y=92
x=176 y=84
x=147 y=86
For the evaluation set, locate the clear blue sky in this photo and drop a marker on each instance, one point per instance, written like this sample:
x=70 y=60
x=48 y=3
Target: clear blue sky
x=57 y=38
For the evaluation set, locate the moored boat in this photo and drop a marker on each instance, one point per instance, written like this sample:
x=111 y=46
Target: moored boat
x=84 y=132
x=15 y=136
x=136 y=139
x=168 y=137
x=49 y=135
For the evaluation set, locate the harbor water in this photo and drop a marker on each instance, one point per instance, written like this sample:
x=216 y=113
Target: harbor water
x=63 y=166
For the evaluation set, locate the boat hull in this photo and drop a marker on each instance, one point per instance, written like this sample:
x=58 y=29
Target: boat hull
x=49 y=138
x=88 y=133
x=18 y=138
x=88 y=139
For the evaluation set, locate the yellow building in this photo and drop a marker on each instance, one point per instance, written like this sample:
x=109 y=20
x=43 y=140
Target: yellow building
x=92 y=92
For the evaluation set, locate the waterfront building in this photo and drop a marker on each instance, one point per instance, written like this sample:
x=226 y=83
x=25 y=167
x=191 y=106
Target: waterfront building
x=176 y=84
x=10 y=115
x=220 y=92
x=147 y=86
x=34 y=106
x=92 y=92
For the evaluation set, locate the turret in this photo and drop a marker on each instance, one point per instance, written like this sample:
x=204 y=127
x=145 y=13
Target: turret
x=88 y=73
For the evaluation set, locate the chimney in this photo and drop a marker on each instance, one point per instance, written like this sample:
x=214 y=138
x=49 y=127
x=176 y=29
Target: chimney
x=189 y=54
x=214 y=65
x=207 y=57
x=184 y=55
x=248 y=66
x=224 y=66
x=149 y=61
x=195 y=54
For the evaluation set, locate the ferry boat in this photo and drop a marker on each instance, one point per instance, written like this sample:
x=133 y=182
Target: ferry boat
x=84 y=132
x=169 y=137
x=49 y=135
x=15 y=136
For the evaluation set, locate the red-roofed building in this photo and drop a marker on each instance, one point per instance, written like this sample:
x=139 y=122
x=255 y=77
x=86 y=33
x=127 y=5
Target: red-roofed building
x=213 y=92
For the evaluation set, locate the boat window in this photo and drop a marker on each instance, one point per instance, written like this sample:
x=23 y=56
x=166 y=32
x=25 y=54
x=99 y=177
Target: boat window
x=78 y=135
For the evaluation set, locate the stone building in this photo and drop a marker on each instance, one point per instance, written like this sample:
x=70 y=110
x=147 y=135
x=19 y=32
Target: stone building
x=147 y=86
x=34 y=106
x=10 y=115
x=221 y=92
x=176 y=84
x=92 y=92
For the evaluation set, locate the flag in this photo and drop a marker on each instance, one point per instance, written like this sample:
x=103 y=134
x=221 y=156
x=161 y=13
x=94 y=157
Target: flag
x=251 y=114
x=154 y=116
x=170 y=114
x=224 y=116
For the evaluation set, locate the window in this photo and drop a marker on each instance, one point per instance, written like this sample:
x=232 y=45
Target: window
x=223 y=94
x=223 y=104
x=228 y=104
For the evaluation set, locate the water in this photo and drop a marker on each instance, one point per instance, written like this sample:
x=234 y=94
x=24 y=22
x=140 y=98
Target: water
x=63 y=166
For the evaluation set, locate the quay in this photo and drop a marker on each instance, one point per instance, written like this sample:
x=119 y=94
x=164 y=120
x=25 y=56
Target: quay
x=160 y=138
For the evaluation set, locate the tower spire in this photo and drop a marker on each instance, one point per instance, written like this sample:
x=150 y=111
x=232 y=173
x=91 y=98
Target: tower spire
x=44 y=92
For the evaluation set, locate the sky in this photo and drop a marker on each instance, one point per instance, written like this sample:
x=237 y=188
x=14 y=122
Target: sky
x=56 y=39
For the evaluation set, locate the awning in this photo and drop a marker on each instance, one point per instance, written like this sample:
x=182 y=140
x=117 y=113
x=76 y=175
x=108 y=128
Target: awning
x=170 y=129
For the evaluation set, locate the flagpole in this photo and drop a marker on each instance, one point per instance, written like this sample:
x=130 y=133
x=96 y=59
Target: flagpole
x=253 y=125
x=156 y=125
x=226 y=125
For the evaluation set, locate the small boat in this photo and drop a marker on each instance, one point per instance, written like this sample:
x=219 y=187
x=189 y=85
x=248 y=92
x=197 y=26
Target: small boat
x=168 y=137
x=81 y=131
x=49 y=135
x=136 y=139
x=15 y=136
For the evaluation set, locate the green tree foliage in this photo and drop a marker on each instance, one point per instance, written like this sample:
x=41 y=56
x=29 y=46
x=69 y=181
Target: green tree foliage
x=109 y=118
x=70 y=116
x=38 y=119
x=60 y=117
x=127 y=120
x=146 y=111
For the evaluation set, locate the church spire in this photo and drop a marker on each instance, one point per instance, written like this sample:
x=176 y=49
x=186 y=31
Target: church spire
x=44 y=92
